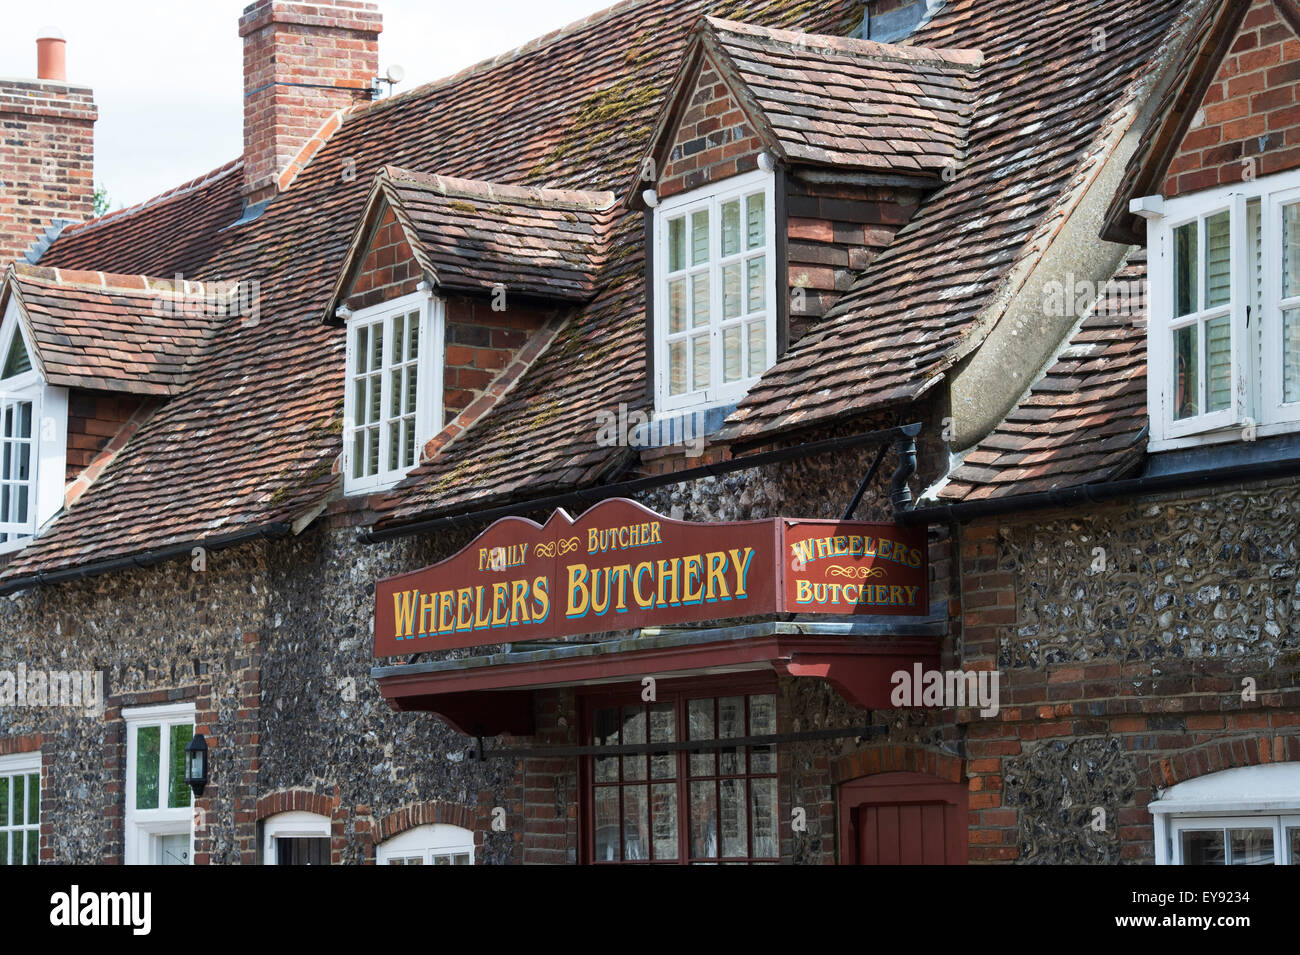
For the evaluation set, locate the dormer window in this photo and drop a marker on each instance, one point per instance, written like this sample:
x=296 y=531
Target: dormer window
x=715 y=292
x=393 y=403
x=33 y=421
x=1224 y=335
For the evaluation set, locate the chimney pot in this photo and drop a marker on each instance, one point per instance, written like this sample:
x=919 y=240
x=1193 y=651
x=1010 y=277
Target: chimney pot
x=51 y=56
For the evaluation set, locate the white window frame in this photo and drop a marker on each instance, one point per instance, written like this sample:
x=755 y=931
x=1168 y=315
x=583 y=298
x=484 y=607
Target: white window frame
x=49 y=435
x=426 y=842
x=428 y=416
x=1266 y=796
x=296 y=824
x=144 y=827
x=1256 y=402
x=22 y=764
x=712 y=197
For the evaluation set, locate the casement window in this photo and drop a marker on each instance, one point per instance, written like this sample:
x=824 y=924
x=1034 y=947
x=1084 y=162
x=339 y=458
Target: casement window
x=33 y=426
x=1224 y=324
x=20 y=809
x=159 y=813
x=296 y=838
x=393 y=403
x=715 y=292
x=1244 y=816
x=435 y=844
x=707 y=806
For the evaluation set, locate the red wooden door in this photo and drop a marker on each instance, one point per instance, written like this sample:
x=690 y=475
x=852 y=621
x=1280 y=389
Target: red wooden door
x=902 y=819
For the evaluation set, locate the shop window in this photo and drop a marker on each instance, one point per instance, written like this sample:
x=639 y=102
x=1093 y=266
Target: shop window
x=1224 y=329
x=435 y=844
x=159 y=814
x=715 y=292
x=296 y=838
x=20 y=809
x=33 y=427
x=1245 y=816
x=393 y=403
x=677 y=806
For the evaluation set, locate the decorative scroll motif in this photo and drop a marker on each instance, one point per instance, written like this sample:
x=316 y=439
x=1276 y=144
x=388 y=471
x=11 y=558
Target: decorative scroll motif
x=548 y=549
x=854 y=573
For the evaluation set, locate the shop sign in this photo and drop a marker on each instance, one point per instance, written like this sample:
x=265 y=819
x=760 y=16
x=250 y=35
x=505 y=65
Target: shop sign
x=621 y=566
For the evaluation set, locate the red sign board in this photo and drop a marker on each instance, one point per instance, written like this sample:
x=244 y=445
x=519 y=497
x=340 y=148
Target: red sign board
x=623 y=567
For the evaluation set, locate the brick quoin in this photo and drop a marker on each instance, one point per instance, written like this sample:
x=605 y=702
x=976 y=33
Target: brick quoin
x=1249 y=120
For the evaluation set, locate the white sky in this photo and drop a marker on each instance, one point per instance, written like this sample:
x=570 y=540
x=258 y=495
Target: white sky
x=168 y=74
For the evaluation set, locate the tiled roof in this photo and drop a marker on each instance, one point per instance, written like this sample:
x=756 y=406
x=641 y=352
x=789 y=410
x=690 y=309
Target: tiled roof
x=252 y=438
x=1046 y=104
x=107 y=332
x=471 y=235
x=849 y=103
x=1085 y=419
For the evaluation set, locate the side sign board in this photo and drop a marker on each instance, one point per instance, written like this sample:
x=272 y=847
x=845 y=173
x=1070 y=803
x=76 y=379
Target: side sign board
x=620 y=566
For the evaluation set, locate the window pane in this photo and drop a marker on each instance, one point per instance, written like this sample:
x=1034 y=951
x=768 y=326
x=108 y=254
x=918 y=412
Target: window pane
x=755 y=222
x=1293 y=837
x=359 y=454
x=731 y=724
x=731 y=290
x=663 y=729
x=1252 y=846
x=700 y=718
x=700 y=237
x=1185 y=278
x=409 y=459
x=20 y=799
x=395 y=393
x=757 y=285
x=1187 y=373
x=700 y=300
x=4 y=800
x=372 y=443
x=1218 y=260
x=731 y=227
x=147 y=756
x=399 y=338
x=377 y=346
x=410 y=377
x=179 y=794
x=606 y=823
x=4 y=848
x=676 y=244
x=394 y=444
x=1291 y=250
x=362 y=349
x=33 y=846
x=676 y=306
x=676 y=368
x=17 y=361
x=636 y=823
x=762 y=796
x=1218 y=364
x=762 y=722
x=24 y=419
x=1203 y=847
x=734 y=814
x=704 y=820
x=33 y=799
x=732 y=355
x=757 y=348
x=413 y=336
x=700 y=362
x=634 y=767
x=664 y=808
x=606 y=734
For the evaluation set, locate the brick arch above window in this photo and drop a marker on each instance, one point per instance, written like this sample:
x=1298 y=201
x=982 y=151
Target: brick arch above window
x=894 y=759
x=296 y=800
x=428 y=813
x=1222 y=754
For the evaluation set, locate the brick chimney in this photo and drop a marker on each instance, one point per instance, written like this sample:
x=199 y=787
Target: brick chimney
x=47 y=154
x=302 y=63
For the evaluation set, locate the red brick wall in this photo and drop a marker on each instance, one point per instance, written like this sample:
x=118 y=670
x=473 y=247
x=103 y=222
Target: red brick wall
x=714 y=140
x=480 y=343
x=333 y=43
x=834 y=233
x=1251 y=110
x=46 y=160
x=93 y=421
x=389 y=270
x=550 y=785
